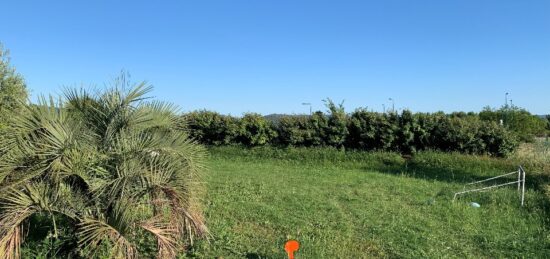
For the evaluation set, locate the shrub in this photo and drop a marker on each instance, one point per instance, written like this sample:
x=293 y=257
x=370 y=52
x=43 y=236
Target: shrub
x=521 y=122
x=295 y=131
x=318 y=129
x=423 y=130
x=212 y=128
x=319 y=124
x=115 y=175
x=372 y=131
x=336 y=129
x=406 y=132
x=409 y=133
x=498 y=141
x=363 y=130
x=388 y=131
x=254 y=130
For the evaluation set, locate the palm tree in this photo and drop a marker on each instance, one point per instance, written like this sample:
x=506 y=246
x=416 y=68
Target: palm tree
x=112 y=169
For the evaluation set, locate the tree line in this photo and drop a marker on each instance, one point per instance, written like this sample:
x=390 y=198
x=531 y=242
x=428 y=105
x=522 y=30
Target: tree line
x=405 y=132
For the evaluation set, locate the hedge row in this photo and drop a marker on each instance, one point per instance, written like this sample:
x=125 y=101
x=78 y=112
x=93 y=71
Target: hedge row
x=362 y=130
x=521 y=122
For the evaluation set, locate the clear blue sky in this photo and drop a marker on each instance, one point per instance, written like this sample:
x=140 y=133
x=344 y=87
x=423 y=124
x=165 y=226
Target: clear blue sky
x=270 y=56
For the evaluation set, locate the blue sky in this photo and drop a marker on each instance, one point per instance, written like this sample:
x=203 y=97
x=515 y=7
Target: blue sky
x=271 y=56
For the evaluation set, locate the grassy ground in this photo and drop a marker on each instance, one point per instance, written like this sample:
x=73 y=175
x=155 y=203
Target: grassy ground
x=536 y=154
x=362 y=205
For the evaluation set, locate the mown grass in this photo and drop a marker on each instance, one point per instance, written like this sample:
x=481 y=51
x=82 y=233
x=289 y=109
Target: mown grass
x=363 y=205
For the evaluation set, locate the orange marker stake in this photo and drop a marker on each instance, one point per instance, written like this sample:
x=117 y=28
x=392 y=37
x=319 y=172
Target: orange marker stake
x=291 y=246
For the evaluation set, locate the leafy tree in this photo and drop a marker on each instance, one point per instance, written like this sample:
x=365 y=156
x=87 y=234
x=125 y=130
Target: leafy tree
x=112 y=170
x=13 y=90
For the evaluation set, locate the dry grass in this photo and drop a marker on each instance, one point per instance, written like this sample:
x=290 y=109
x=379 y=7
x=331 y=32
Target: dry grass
x=535 y=155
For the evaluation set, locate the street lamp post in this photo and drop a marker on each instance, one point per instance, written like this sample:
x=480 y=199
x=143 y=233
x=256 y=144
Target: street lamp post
x=506 y=100
x=384 y=108
x=392 y=104
x=309 y=104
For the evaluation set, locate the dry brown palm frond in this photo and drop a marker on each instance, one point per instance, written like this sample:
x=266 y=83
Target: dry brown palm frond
x=166 y=236
x=187 y=222
x=16 y=207
x=20 y=204
x=10 y=243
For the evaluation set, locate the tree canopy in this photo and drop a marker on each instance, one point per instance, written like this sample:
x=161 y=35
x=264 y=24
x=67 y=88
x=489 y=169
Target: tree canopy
x=13 y=90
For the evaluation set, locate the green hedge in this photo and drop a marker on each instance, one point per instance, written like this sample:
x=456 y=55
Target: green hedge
x=212 y=128
x=406 y=133
x=254 y=130
x=522 y=123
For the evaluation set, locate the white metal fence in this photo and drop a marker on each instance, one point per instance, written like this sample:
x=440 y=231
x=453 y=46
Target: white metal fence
x=520 y=182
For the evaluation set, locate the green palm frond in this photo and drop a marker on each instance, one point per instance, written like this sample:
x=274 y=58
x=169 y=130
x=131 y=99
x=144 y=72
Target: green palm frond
x=20 y=204
x=93 y=232
x=112 y=162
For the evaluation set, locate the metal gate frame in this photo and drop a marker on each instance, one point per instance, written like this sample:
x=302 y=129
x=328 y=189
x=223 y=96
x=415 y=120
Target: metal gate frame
x=521 y=184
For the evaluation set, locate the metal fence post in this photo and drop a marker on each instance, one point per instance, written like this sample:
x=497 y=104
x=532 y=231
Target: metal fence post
x=523 y=187
x=519 y=179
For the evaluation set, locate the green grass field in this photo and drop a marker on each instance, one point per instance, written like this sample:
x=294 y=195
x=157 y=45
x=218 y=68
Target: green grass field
x=364 y=205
